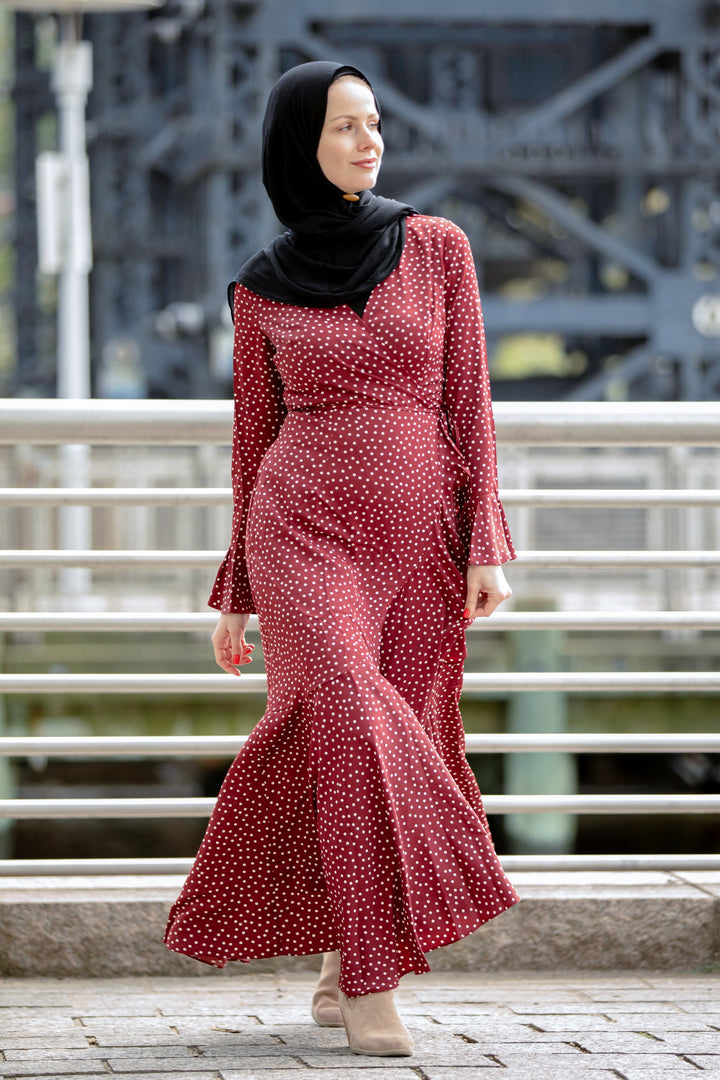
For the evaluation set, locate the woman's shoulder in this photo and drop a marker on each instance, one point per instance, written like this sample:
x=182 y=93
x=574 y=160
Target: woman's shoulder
x=429 y=225
x=248 y=308
x=440 y=233
x=244 y=294
x=244 y=299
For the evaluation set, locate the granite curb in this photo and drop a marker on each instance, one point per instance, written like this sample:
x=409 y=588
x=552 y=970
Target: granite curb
x=574 y=921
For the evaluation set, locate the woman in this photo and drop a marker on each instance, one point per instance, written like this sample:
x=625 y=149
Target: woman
x=367 y=534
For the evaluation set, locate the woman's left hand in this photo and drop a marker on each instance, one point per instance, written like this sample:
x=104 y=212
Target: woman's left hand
x=486 y=588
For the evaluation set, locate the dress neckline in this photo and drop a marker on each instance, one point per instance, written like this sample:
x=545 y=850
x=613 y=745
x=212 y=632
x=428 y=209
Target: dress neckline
x=375 y=288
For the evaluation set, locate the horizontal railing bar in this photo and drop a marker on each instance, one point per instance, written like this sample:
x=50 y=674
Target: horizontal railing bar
x=207 y=496
x=578 y=681
x=200 y=807
x=95 y=867
x=57 y=496
x=132 y=684
x=600 y=560
x=562 y=863
x=183 y=622
x=49 y=421
x=596 y=620
x=531 y=560
x=512 y=863
x=112 y=746
x=503 y=682
x=114 y=558
x=52 y=621
x=555 y=423
x=608 y=497
x=99 y=621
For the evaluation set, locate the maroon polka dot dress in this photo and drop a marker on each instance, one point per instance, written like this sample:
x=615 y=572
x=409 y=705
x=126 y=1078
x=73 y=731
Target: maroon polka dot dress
x=364 y=473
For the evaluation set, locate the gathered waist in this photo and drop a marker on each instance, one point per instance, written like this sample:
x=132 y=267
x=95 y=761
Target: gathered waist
x=443 y=415
x=323 y=407
x=404 y=407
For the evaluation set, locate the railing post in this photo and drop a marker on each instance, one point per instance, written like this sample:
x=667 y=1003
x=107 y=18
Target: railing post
x=7 y=788
x=542 y=773
x=72 y=80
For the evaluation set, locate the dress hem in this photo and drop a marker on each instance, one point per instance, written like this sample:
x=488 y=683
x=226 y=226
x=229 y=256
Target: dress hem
x=449 y=939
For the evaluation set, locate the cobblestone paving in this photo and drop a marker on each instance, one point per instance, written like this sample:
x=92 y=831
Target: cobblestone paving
x=466 y=1027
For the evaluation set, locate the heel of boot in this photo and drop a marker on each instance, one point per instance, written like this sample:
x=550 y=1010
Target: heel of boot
x=324 y=1009
x=373 y=1026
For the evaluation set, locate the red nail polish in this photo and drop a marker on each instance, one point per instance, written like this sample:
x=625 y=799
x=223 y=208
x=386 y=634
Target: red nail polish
x=466 y=613
x=236 y=658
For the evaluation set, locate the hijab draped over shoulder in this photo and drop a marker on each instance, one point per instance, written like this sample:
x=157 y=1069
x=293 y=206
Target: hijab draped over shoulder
x=334 y=251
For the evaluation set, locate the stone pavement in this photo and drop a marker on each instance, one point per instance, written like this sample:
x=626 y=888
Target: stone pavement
x=466 y=1027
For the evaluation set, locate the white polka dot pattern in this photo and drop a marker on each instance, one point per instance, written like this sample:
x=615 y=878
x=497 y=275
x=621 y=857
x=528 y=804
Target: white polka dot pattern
x=364 y=474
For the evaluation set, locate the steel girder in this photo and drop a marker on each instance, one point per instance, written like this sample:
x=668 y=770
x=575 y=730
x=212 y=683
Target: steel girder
x=578 y=148
x=614 y=170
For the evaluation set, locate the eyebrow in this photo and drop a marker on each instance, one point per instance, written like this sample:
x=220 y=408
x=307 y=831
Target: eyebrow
x=350 y=116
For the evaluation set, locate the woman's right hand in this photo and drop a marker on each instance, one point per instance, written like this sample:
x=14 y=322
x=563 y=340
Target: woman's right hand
x=228 y=641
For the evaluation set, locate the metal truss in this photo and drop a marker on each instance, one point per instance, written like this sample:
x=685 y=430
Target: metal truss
x=577 y=146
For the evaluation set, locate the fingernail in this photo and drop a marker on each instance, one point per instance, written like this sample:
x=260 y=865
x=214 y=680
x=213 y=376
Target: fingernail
x=466 y=613
x=236 y=658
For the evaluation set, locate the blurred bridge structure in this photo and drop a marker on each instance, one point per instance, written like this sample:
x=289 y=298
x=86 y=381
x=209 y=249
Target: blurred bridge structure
x=578 y=146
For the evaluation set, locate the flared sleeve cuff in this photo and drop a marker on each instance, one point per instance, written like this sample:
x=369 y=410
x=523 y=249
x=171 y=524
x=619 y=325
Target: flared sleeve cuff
x=231 y=591
x=258 y=413
x=490 y=541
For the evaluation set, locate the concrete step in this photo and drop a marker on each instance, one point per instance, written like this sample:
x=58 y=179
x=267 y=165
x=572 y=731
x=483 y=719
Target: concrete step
x=574 y=921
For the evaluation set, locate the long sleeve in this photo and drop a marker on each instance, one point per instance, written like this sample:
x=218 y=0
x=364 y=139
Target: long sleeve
x=258 y=415
x=467 y=400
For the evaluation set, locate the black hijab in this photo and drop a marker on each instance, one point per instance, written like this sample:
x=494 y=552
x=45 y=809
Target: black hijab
x=335 y=251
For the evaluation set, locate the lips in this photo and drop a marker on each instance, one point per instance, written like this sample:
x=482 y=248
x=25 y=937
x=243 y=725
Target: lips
x=367 y=163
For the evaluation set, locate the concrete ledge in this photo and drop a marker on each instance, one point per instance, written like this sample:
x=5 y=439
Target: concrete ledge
x=577 y=921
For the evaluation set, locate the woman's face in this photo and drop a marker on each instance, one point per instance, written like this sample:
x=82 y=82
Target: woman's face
x=350 y=144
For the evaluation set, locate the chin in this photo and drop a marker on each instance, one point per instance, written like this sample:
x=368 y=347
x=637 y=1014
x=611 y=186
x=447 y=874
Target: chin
x=356 y=184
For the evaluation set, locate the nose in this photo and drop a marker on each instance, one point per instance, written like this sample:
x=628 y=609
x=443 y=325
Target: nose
x=370 y=138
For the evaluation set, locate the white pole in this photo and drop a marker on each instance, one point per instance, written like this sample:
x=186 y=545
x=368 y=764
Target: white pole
x=72 y=79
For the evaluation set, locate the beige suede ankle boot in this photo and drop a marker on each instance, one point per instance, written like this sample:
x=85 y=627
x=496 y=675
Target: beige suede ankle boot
x=373 y=1026
x=325 y=1009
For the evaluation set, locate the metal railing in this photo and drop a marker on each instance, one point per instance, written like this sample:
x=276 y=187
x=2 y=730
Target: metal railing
x=183 y=423
x=206 y=496
x=614 y=682
x=530 y=560
x=554 y=424
x=193 y=622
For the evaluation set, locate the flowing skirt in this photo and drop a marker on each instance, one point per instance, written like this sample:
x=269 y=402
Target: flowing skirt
x=351 y=819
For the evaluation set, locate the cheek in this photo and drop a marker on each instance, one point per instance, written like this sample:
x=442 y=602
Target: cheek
x=328 y=155
x=333 y=150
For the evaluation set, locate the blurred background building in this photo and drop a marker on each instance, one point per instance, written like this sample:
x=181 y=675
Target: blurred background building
x=577 y=144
